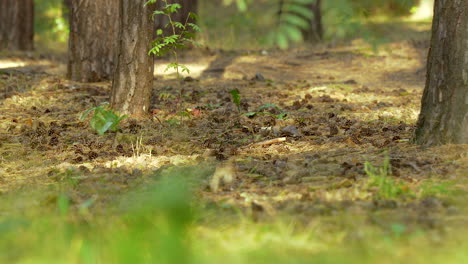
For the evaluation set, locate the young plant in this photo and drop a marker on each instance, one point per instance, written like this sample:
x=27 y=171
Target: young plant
x=380 y=177
x=235 y=94
x=182 y=35
x=103 y=119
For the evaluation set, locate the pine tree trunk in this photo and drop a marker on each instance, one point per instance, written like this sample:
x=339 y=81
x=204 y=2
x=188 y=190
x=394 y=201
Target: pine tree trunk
x=66 y=8
x=133 y=77
x=17 y=24
x=93 y=36
x=315 y=32
x=444 y=111
x=181 y=16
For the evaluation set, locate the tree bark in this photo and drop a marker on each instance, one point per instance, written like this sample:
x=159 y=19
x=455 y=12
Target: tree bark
x=181 y=16
x=315 y=32
x=17 y=24
x=133 y=76
x=93 y=36
x=444 y=110
x=66 y=9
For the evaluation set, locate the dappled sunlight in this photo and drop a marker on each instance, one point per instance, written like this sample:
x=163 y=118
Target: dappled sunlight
x=150 y=162
x=425 y=10
x=196 y=69
x=4 y=64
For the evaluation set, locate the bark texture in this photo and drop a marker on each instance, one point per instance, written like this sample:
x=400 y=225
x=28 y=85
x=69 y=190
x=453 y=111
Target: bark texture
x=133 y=76
x=93 y=37
x=181 y=16
x=444 y=110
x=17 y=24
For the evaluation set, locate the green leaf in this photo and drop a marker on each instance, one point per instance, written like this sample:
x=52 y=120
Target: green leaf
x=103 y=128
x=193 y=16
x=235 y=97
x=104 y=119
x=194 y=27
x=150 y=2
x=179 y=25
x=296 y=21
x=282 y=116
x=172 y=65
x=185 y=69
x=158 y=12
x=292 y=32
x=250 y=114
x=85 y=113
x=301 y=10
x=282 y=40
x=172 y=8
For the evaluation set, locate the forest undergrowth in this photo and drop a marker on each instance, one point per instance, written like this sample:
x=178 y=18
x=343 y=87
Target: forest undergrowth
x=309 y=159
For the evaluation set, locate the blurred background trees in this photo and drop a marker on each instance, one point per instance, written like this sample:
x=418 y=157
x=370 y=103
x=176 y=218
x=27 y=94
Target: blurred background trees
x=248 y=24
x=16 y=24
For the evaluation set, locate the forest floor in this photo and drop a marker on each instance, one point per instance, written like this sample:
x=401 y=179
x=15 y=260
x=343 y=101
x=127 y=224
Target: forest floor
x=315 y=164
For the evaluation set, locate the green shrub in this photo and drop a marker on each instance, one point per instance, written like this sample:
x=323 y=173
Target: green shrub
x=103 y=119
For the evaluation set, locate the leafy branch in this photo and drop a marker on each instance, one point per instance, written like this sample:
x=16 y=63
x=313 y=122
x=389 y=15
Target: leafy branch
x=183 y=35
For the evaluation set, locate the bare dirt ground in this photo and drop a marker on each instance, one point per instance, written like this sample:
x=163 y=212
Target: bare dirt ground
x=315 y=117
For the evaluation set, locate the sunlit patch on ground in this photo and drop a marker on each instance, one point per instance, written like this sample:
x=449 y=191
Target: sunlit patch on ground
x=196 y=69
x=4 y=64
x=150 y=162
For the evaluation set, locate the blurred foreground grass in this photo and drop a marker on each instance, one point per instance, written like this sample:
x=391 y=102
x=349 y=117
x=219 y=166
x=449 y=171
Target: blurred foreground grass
x=165 y=222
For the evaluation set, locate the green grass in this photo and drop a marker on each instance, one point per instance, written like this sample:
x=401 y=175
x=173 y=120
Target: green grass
x=387 y=187
x=163 y=221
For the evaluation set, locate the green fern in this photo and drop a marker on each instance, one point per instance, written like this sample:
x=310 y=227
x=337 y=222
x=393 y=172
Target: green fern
x=293 y=18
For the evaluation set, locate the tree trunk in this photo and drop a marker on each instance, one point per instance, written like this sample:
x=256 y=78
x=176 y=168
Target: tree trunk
x=93 y=34
x=17 y=24
x=133 y=76
x=181 y=16
x=444 y=111
x=315 y=32
x=66 y=8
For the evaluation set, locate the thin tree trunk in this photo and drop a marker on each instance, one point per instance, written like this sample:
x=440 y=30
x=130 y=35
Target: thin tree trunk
x=17 y=24
x=93 y=34
x=315 y=31
x=444 y=111
x=133 y=76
